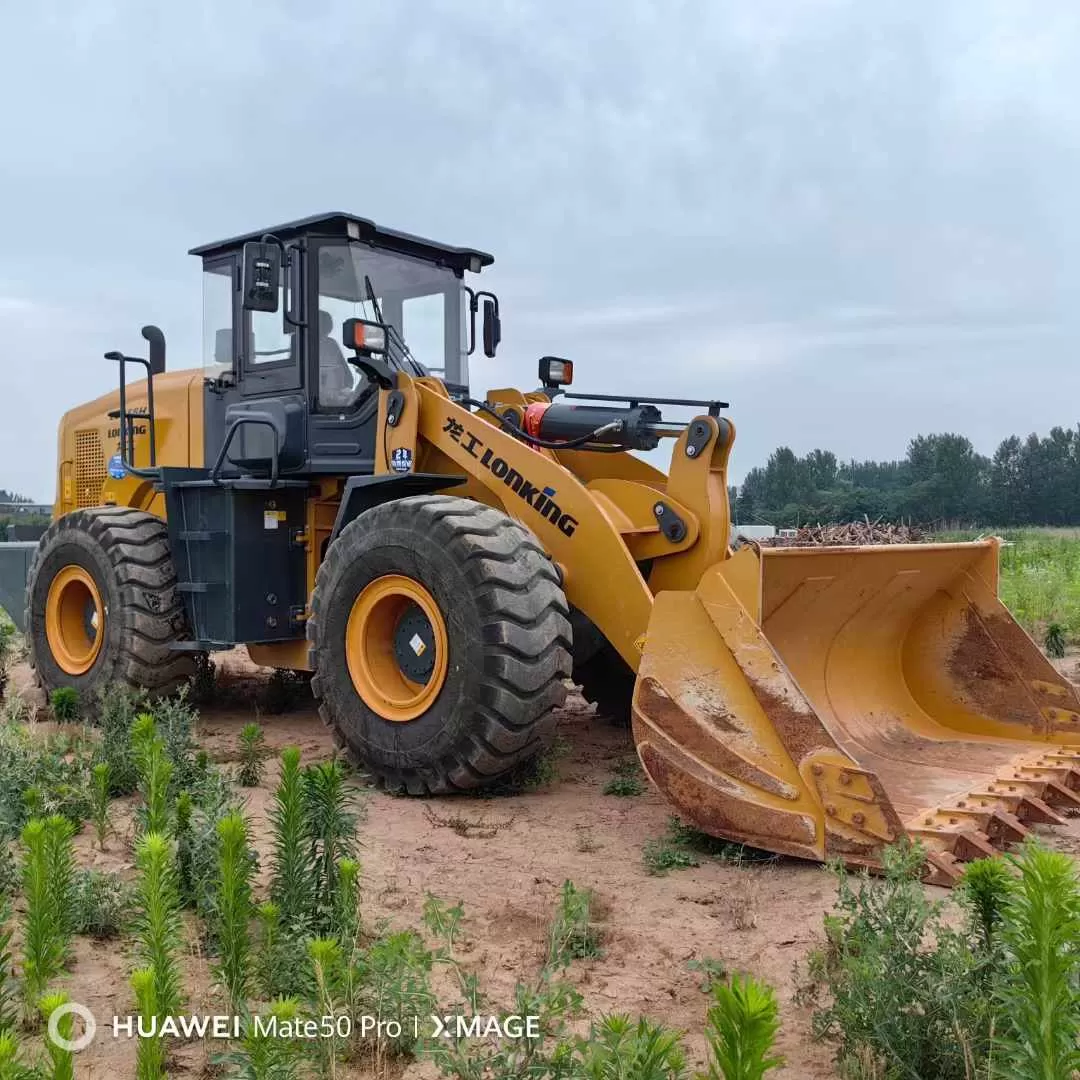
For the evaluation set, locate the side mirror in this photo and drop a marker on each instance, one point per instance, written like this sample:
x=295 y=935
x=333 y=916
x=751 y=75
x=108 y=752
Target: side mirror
x=157 y=348
x=260 y=282
x=492 y=327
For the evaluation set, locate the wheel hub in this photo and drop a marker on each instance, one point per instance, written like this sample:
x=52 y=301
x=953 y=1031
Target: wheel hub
x=396 y=647
x=74 y=620
x=414 y=644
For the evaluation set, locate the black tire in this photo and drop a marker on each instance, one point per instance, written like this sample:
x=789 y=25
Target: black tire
x=508 y=642
x=607 y=681
x=126 y=553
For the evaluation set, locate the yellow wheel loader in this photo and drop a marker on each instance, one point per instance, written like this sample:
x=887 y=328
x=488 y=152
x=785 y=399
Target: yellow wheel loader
x=325 y=492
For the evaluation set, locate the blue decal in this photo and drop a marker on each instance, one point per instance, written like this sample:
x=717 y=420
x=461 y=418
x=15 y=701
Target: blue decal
x=116 y=467
x=549 y=491
x=401 y=459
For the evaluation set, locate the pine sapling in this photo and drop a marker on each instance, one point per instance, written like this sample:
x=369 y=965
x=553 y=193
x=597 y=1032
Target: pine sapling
x=234 y=908
x=252 y=756
x=61 y=1060
x=155 y=774
x=331 y=827
x=345 y=920
x=185 y=853
x=11 y=1066
x=158 y=927
x=8 y=1009
x=292 y=885
x=99 y=792
x=741 y=1027
x=1040 y=1003
x=47 y=875
x=150 y=1052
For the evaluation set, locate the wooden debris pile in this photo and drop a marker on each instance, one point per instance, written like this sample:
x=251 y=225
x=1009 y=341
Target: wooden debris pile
x=849 y=533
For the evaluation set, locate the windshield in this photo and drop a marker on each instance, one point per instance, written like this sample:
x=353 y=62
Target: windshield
x=420 y=301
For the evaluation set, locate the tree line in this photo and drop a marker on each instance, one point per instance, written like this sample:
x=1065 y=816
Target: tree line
x=1032 y=481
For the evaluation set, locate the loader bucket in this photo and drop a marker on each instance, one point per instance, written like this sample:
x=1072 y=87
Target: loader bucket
x=823 y=702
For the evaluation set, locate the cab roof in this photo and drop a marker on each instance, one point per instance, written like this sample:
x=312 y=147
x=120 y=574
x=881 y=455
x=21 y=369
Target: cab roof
x=351 y=227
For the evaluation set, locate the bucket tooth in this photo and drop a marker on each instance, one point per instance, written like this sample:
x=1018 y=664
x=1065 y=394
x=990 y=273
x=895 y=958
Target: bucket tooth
x=974 y=844
x=1068 y=776
x=1035 y=810
x=942 y=868
x=964 y=844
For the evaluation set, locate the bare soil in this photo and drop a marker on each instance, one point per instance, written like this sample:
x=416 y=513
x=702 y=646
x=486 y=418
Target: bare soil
x=506 y=859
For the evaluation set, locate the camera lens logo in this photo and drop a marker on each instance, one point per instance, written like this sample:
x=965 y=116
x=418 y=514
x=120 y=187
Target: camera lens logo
x=82 y=1041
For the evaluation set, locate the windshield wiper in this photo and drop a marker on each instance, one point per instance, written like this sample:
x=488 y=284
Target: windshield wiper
x=403 y=348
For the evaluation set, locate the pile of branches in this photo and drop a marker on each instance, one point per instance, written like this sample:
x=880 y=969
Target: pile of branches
x=852 y=532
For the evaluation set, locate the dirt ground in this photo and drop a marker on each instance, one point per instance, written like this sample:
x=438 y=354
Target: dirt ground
x=508 y=872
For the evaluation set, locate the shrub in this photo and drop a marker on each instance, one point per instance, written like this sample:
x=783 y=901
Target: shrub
x=101 y=904
x=204 y=681
x=252 y=752
x=116 y=709
x=1055 y=640
x=64 y=704
x=157 y=925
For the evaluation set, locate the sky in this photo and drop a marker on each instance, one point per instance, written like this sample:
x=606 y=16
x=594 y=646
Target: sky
x=853 y=221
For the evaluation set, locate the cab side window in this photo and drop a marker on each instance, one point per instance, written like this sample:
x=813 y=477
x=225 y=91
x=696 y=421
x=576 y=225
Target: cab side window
x=218 y=294
x=270 y=342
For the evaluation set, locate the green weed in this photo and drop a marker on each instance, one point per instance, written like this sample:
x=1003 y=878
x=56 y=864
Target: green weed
x=628 y=779
x=618 y=1047
x=573 y=933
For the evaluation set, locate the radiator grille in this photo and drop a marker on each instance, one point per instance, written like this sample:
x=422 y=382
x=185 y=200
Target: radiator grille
x=89 y=468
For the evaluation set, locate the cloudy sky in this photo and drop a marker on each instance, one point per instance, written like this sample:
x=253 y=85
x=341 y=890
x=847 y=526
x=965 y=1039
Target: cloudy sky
x=855 y=221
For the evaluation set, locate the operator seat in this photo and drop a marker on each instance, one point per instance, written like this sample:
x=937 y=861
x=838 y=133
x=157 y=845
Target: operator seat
x=335 y=376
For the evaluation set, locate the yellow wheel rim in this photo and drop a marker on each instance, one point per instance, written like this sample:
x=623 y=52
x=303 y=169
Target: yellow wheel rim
x=74 y=620
x=396 y=647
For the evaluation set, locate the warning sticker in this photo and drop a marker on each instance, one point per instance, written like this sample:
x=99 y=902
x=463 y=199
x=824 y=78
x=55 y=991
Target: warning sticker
x=273 y=518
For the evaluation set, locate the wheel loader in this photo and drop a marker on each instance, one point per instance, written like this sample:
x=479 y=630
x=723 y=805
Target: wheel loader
x=324 y=491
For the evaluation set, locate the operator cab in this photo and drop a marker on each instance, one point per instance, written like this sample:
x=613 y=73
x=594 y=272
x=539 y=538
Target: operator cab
x=275 y=306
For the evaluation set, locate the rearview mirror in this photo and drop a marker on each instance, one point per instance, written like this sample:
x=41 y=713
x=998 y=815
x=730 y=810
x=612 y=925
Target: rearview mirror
x=260 y=283
x=492 y=328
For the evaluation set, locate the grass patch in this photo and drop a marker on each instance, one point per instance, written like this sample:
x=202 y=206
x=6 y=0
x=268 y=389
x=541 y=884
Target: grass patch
x=627 y=779
x=683 y=846
x=1040 y=578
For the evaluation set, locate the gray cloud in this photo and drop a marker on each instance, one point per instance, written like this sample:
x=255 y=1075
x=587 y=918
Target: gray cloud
x=854 y=221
